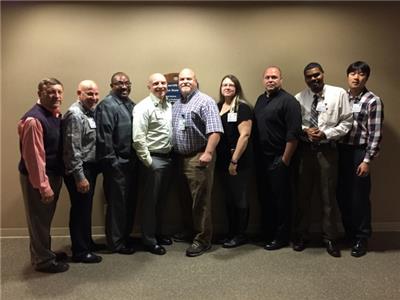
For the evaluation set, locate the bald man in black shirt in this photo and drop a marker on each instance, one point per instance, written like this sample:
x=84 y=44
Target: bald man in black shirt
x=277 y=128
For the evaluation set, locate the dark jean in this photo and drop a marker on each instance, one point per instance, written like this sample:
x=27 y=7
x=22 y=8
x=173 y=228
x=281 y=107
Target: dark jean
x=353 y=193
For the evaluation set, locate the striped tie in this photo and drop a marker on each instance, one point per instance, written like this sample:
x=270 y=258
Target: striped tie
x=314 y=112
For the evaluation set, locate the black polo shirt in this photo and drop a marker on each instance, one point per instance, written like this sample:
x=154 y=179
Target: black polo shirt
x=277 y=121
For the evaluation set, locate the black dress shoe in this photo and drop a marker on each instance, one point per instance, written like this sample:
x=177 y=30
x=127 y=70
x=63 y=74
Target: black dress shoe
x=163 y=240
x=181 y=237
x=127 y=250
x=61 y=256
x=332 y=248
x=54 y=267
x=299 y=245
x=156 y=249
x=88 y=258
x=275 y=245
x=236 y=241
x=359 y=248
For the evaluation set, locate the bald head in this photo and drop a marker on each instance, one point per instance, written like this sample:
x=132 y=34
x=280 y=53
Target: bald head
x=272 y=79
x=187 y=82
x=88 y=94
x=86 y=84
x=273 y=69
x=157 y=84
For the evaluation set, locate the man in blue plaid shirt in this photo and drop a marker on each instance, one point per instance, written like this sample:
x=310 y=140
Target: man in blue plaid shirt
x=196 y=132
x=356 y=152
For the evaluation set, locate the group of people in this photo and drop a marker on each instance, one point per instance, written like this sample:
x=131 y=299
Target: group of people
x=324 y=138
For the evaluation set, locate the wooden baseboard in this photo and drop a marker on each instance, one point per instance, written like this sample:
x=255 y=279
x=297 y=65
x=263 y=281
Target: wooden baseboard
x=99 y=230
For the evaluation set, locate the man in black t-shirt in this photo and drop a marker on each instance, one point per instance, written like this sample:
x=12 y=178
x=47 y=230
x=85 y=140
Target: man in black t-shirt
x=277 y=117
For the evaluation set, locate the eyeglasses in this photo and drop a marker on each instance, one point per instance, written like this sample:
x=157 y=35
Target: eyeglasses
x=122 y=83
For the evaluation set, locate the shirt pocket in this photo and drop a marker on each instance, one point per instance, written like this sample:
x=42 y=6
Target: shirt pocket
x=330 y=116
x=157 y=118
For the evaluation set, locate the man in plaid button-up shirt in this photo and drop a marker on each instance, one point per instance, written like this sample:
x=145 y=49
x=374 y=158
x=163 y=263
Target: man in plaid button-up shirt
x=356 y=151
x=196 y=132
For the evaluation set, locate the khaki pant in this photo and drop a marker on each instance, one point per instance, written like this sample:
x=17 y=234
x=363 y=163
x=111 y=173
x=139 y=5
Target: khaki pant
x=198 y=182
x=39 y=216
x=317 y=169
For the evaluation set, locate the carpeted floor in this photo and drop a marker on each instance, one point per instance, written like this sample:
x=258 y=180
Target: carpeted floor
x=247 y=272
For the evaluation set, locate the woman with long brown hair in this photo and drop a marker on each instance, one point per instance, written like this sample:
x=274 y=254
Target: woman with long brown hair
x=234 y=155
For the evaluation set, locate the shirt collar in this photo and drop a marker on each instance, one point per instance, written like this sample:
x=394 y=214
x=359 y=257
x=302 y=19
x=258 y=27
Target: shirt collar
x=321 y=94
x=55 y=112
x=190 y=96
x=87 y=112
x=119 y=100
x=273 y=94
x=358 y=97
x=156 y=101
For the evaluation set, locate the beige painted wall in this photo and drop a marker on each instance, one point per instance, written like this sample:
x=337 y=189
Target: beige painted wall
x=75 y=41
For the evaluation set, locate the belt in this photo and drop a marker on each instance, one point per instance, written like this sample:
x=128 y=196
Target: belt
x=163 y=155
x=317 y=145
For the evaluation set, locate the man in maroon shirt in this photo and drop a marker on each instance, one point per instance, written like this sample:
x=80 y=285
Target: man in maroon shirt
x=41 y=173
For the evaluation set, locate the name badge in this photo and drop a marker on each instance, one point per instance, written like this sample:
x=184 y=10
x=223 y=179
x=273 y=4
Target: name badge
x=321 y=106
x=182 y=123
x=92 y=123
x=356 y=107
x=232 y=117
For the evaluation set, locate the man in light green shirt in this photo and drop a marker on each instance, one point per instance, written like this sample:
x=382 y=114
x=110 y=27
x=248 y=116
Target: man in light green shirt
x=152 y=140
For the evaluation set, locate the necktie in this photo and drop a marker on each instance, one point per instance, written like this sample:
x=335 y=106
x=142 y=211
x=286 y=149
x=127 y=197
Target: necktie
x=314 y=112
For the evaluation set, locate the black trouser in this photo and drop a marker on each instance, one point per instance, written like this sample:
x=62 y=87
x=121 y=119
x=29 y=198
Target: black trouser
x=80 y=215
x=157 y=178
x=353 y=193
x=120 y=192
x=274 y=188
x=237 y=205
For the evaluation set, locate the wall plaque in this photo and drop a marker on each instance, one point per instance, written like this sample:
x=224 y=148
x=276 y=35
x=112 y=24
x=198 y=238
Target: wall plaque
x=173 y=93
